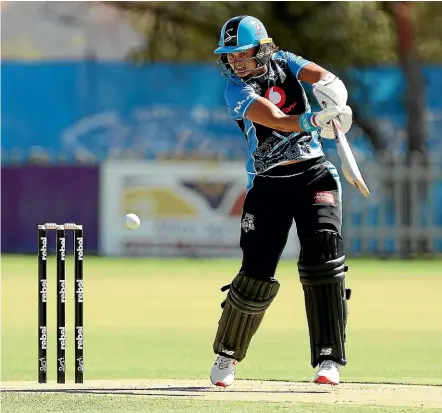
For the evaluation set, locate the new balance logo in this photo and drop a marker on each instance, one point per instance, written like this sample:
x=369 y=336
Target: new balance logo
x=325 y=351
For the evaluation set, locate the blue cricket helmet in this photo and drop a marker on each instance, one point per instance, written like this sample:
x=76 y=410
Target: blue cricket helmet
x=241 y=33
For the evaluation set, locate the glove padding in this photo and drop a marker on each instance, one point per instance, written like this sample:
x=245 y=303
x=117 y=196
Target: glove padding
x=323 y=118
x=331 y=91
x=345 y=119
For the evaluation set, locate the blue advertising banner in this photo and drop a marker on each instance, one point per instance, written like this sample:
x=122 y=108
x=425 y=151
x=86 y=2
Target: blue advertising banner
x=100 y=110
x=96 y=110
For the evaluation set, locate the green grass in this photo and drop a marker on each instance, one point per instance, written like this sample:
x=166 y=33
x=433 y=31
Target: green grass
x=147 y=319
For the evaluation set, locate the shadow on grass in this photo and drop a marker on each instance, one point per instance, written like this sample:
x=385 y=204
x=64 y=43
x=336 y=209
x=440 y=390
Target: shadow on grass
x=164 y=391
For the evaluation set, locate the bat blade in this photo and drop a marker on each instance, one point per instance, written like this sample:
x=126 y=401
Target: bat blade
x=348 y=162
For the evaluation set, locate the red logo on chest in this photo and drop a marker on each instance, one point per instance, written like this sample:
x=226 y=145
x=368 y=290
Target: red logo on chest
x=278 y=97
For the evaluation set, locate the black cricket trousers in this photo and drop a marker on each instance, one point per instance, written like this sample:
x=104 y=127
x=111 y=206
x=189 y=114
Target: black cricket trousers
x=307 y=192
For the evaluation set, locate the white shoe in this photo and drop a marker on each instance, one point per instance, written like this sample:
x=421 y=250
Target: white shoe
x=223 y=371
x=328 y=373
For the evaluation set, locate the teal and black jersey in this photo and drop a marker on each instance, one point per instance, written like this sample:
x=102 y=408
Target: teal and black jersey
x=268 y=148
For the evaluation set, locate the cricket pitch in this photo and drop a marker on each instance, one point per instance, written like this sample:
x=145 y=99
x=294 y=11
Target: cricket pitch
x=251 y=390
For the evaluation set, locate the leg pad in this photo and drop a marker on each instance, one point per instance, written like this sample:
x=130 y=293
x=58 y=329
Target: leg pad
x=322 y=271
x=243 y=312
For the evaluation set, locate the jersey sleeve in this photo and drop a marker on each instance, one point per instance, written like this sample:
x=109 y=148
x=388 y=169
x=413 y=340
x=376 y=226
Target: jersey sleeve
x=239 y=97
x=296 y=63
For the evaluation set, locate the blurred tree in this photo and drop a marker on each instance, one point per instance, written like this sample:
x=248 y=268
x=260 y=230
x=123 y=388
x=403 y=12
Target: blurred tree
x=333 y=34
x=401 y=15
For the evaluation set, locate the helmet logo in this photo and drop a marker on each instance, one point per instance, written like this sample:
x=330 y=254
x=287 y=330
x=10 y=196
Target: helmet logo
x=228 y=36
x=276 y=95
x=257 y=26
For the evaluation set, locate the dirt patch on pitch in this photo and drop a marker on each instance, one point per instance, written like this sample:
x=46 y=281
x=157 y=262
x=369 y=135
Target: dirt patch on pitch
x=252 y=390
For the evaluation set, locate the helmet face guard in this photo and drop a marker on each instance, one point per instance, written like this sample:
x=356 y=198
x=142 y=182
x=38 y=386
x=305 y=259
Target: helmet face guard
x=262 y=56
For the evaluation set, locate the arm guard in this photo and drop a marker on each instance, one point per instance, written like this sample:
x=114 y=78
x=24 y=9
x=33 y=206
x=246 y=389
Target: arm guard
x=331 y=91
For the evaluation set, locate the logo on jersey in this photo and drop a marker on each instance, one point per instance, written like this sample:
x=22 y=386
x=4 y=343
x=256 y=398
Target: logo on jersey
x=276 y=95
x=240 y=103
x=238 y=106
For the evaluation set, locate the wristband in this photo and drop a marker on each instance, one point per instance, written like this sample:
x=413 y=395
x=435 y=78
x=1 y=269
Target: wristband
x=306 y=121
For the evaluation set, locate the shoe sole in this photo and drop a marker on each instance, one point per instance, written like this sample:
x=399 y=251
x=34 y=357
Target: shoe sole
x=219 y=383
x=324 y=380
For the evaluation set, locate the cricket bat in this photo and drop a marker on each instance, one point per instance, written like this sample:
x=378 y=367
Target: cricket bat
x=348 y=162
